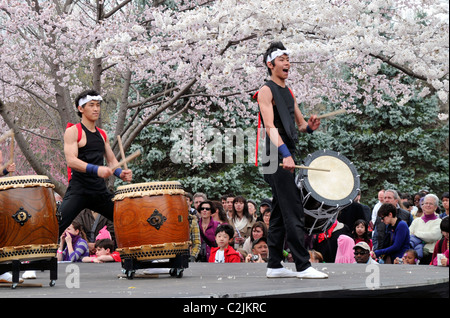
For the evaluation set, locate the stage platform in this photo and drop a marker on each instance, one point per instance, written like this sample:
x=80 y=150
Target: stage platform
x=203 y=280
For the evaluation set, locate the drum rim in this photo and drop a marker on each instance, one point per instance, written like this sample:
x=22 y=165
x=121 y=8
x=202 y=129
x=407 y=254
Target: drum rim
x=26 y=181
x=319 y=198
x=142 y=184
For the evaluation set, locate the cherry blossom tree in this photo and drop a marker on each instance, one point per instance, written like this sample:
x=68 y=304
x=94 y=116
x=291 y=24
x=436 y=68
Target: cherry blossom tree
x=153 y=61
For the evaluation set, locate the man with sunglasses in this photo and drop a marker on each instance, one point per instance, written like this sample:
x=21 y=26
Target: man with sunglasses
x=362 y=254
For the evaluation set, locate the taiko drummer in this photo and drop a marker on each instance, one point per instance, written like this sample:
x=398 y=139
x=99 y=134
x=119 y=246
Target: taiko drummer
x=85 y=147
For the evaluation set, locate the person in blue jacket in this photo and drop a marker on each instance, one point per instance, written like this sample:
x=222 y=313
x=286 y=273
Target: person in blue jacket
x=397 y=234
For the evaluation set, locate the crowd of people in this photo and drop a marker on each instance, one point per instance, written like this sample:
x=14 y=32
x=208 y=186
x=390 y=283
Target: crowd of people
x=399 y=229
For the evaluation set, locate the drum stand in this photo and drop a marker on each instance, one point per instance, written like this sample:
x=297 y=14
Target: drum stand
x=22 y=265
x=176 y=265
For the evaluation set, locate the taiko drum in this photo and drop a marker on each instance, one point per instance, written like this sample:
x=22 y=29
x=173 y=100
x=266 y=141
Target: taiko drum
x=28 y=224
x=151 y=220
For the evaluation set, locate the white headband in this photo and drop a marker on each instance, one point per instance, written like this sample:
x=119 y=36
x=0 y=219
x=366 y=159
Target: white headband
x=88 y=98
x=276 y=54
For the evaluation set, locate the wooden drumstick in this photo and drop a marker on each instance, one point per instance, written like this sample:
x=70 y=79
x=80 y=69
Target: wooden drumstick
x=127 y=159
x=122 y=153
x=336 y=112
x=308 y=168
x=6 y=135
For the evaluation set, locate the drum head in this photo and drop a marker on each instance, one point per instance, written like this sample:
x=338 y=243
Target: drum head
x=337 y=187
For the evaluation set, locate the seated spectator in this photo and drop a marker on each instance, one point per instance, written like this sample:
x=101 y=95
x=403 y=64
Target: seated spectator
x=362 y=254
x=397 y=236
x=360 y=232
x=104 y=252
x=266 y=217
x=427 y=228
x=194 y=235
x=259 y=230
x=218 y=213
x=344 y=254
x=207 y=228
x=441 y=246
x=260 y=251
x=76 y=247
x=445 y=205
x=315 y=257
x=224 y=253
x=410 y=257
x=252 y=209
x=241 y=220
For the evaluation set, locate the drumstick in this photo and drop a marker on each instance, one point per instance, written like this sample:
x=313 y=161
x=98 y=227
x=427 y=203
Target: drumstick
x=122 y=153
x=308 y=168
x=336 y=112
x=11 y=154
x=127 y=159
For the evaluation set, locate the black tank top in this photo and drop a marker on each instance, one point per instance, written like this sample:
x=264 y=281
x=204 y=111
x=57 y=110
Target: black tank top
x=93 y=152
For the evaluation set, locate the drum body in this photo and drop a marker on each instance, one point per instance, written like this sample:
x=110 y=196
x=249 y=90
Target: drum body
x=325 y=194
x=151 y=220
x=28 y=224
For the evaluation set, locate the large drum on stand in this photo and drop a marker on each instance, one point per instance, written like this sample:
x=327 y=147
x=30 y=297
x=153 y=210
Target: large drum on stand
x=28 y=224
x=151 y=223
x=325 y=194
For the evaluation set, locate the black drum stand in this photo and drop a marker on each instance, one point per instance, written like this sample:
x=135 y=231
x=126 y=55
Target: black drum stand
x=15 y=266
x=176 y=264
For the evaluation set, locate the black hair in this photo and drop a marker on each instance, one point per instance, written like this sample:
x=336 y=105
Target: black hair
x=444 y=224
x=273 y=47
x=83 y=95
x=247 y=214
x=387 y=208
x=105 y=243
x=227 y=228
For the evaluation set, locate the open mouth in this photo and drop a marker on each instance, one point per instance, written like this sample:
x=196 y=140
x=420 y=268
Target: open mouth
x=286 y=70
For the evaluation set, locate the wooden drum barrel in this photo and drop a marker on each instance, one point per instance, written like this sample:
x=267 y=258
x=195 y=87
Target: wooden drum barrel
x=151 y=220
x=28 y=224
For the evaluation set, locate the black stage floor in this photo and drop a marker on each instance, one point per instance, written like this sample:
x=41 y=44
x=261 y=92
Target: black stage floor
x=203 y=280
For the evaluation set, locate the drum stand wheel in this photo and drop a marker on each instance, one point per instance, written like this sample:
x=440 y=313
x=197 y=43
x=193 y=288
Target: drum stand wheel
x=176 y=265
x=21 y=265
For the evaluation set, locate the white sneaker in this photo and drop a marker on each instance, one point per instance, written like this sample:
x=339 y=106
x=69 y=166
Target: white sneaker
x=7 y=278
x=280 y=273
x=311 y=273
x=29 y=275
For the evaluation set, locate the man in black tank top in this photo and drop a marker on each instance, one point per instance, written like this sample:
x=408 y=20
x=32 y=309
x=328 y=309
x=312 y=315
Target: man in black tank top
x=280 y=115
x=85 y=157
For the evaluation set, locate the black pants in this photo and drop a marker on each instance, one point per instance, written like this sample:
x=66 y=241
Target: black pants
x=74 y=203
x=286 y=221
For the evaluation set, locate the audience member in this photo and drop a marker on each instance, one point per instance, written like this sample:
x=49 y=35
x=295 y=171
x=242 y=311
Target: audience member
x=105 y=252
x=410 y=257
x=194 y=235
x=444 y=205
x=351 y=213
x=252 y=209
x=417 y=212
x=259 y=229
x=344 y=253
x=228 y=206
x=315 y=257
x=190 y=201
x=266 y=217
x=360 y=232
x=427 y=228
x=218 y=213
x=378 y=237
x=259 y=252
x=241 y=220
x=224 y=253
x=377 y=206
x=199 y=197
x=362 y=254
x=397 y=236
x=441 y=246
x=207 y=228
x=264 y=205
x=76 y=245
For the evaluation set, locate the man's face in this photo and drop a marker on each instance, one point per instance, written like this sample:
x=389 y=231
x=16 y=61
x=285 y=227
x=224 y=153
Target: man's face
x=262 y=249
x=281 y=67
x=197 y=201
x=361 y=255
x=389 y=198
x=229 y=205
x=444 y=201
x=91 y=110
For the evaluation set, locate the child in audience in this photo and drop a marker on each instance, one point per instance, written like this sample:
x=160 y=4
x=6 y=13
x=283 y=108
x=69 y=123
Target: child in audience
x=224 y=253
x=104 y=252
